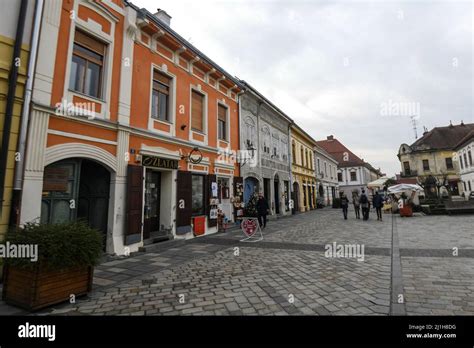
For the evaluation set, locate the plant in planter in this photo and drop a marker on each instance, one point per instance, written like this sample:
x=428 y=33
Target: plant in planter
x=66 y=255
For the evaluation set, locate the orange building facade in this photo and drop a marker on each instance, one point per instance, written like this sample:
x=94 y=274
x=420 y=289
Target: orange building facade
x=132 y=128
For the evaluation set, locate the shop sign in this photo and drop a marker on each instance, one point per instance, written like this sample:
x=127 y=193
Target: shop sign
x=158 y=162
x=251 y=228
x=56 y=179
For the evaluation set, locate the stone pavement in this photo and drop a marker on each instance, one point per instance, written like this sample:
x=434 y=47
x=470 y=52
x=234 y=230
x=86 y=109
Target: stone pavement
x=288 y=272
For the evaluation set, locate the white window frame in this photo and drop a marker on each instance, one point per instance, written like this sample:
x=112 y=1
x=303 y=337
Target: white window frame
x=163 y=69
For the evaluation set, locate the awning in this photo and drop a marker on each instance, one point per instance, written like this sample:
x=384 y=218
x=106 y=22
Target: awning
x=377 y=183
x=405 y=188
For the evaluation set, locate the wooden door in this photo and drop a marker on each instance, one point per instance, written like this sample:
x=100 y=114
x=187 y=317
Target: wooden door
x=133 y=233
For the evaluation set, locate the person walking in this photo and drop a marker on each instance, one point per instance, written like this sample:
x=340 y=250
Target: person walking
x=365 y=205
x=262 y=210
x=344 y=205
x=378 y=203
x=356 y=202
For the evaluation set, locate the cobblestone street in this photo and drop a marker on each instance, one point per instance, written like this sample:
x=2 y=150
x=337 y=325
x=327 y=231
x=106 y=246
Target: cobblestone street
x=288 y=273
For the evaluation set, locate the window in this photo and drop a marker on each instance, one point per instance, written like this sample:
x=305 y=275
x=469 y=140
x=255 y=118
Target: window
x=325 y=170
x=339 y=177
x=197 y=111
x=87 y=63
x=353 y=176
x=293 y=152
x=449 y=163
x=470 y=157
x=469 y=183
x=222 y=122
x=198 y=195
x=250 y=125
x=311 y=160
x=426 y=165
x=275 y=147
x=465 y=189
x=406 y=168
x=266 y=140
x=465 y=160
x=460 y=161
x=302 y=156
x=160 y=96
x=224 y=188
x=318 y=166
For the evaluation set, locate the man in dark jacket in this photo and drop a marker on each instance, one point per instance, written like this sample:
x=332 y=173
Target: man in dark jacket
x=378 y=203
x=262 y=210
x=344 y=205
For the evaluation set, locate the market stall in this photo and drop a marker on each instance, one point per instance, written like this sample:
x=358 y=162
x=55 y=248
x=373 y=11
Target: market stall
x=406 y=195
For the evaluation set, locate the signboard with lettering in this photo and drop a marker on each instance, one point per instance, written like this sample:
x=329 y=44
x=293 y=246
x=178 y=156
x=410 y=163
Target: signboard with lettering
x=158 y=162
x=56 y=179
x=251 y=228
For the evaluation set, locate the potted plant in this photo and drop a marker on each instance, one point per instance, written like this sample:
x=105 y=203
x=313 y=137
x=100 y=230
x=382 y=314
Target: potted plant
x=62 y=267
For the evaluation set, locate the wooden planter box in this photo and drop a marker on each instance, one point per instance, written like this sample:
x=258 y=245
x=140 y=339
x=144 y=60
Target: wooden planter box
x=38 y=288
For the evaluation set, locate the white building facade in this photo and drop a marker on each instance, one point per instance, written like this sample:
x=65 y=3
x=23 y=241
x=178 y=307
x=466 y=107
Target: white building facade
x=464 y=156
x=326 y=176
x=264 y=131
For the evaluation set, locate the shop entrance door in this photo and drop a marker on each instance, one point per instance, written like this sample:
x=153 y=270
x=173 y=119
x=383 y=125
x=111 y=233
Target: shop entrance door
x=277 y=195
x=151 y=224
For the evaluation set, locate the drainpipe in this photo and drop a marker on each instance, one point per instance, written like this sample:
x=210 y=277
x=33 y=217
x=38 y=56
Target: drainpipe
x=20 y=165
x=11 y=98
x=290 y=161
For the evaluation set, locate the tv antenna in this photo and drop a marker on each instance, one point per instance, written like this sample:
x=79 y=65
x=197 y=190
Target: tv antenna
x=414 y=123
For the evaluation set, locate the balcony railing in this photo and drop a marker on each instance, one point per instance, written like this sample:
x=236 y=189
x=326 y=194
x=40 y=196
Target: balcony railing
x=408 y=173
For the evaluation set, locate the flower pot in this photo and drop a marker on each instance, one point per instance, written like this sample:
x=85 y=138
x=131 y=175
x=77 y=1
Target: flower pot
x=36 y=288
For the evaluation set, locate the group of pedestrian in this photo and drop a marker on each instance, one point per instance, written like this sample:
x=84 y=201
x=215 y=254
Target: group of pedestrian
x=362 y=203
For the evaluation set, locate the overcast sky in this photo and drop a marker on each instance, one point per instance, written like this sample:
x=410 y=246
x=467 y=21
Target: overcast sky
x=344 y=67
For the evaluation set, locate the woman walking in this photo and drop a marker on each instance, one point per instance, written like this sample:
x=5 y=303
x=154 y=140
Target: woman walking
x=356 y=202
x=344 y=205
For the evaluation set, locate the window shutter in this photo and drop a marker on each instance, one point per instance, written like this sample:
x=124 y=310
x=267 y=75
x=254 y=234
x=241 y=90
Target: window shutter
x=209 y=180
x=222 y=113
x=197 y=111
x=184 y=202
x=89 y=42
x=161 y=77
x=133 y=233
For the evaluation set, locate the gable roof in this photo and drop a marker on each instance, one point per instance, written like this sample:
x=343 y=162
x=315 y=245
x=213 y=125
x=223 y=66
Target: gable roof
x=469 y=136
x=325 y=153
x=337 y=150
x=442 y=138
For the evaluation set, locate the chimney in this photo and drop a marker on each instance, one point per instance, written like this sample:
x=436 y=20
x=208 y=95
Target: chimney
x=163 y=16
x=330 y=137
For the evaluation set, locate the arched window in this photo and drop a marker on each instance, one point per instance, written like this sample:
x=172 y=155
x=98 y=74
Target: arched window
x=266 y=140
x=250 y=127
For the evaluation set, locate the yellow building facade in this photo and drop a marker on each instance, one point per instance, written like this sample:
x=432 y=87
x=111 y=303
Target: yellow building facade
x=303 y=170
x=8 y=29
